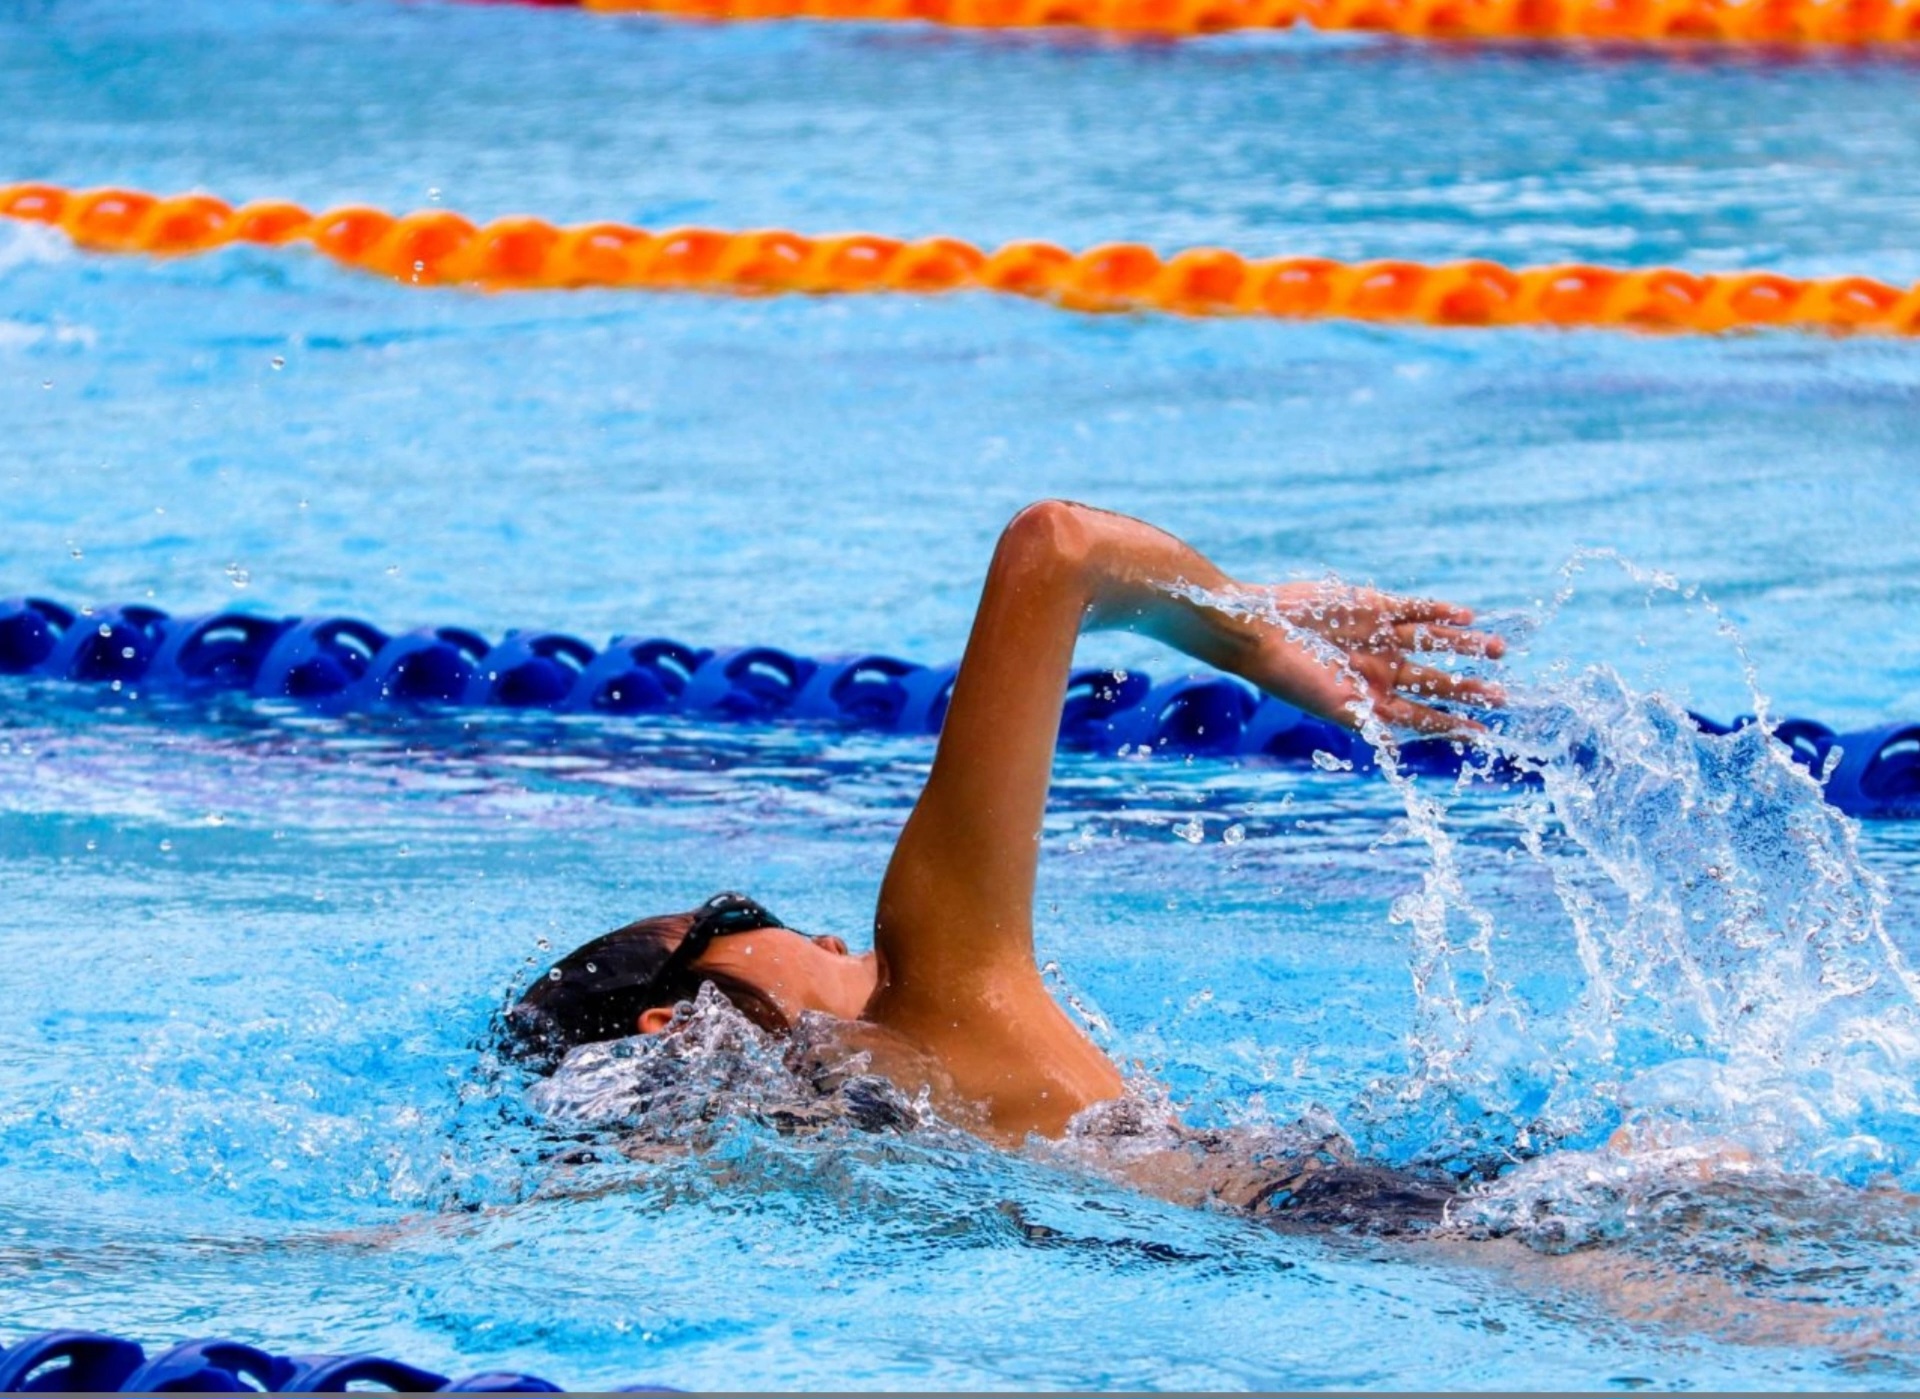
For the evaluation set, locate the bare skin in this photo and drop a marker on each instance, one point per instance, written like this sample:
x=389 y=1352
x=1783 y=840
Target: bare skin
x=951 y=999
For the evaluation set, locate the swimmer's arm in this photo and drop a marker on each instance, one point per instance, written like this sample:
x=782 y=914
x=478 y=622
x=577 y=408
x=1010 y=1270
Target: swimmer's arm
x=958 y=894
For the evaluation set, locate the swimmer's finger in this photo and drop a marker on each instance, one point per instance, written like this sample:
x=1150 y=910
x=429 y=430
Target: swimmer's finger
x=1426 y=682
x=1403 y=713
x=1423 y=609
x=1458 y=641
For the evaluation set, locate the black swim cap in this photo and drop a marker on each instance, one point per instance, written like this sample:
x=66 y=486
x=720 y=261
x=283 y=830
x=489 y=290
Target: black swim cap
x=599 y=991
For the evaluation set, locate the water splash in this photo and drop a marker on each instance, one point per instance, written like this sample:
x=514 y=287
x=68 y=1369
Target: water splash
x=713 y=1069
x=1725 y=980
x=1736 y=978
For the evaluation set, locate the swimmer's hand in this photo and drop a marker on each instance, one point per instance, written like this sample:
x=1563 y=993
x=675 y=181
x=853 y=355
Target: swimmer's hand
x=1337 y=650
x=1332 y=649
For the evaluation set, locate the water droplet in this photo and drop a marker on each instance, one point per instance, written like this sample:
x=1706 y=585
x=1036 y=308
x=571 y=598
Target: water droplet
x=165 y=846
x=279 y=361
x=214 y=818
x=591 y=968
x=126 y=653
x=544 y=943
x=393 y=570
x=1326 y=762
x=238 y=574
x=46 y=383
x=554 y=975
x=1234 y=834
x=433 y=193
x=1193 y=830
x=93 y=845
x=116 y=686
x=75 y=550
x=106 y=629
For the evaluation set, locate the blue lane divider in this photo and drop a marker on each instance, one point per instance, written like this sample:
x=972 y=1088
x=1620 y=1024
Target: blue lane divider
x=206 y=1367
x=870 y=691
x=223 y=651
x=335 y=1374
x=1197 y=714
x=637 y=674
x=530 y=670
x=318 y=661
x=339 y=664
x=927 y=693
x=117 y=644
x=433 y=663
x=30 y=628
x=748 y=683
x=68 y=1362
x=89 y=1362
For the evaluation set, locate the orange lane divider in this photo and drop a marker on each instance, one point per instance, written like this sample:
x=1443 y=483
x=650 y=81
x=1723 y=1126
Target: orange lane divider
x=437 y=247
x=1847 y=22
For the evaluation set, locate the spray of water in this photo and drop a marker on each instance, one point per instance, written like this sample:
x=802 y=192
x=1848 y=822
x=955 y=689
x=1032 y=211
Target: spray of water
x=714 y=1070
x=1730 y=988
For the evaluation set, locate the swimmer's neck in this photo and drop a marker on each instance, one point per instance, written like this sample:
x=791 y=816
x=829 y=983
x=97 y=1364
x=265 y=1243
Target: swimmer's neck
x=1000 y=1048
x=1004 y=1101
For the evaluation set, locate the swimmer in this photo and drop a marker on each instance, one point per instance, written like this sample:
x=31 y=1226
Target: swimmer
x=951 y=1002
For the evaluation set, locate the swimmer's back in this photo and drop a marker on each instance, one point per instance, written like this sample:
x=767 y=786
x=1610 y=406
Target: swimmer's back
x=1357 y=1197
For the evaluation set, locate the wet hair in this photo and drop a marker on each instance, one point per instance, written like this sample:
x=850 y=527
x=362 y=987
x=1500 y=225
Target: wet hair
x=598 y=992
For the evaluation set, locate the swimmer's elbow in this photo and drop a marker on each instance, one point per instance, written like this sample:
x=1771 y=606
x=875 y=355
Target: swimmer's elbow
x=1053 y=538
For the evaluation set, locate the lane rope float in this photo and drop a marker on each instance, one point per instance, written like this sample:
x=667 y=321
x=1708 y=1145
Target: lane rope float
x=94 y=1362
x=1849 y=23
x=338 y=664
x=438 y=247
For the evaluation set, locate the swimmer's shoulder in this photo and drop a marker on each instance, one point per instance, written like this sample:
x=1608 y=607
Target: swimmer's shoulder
x=828 y=1051
x=1005 y=1046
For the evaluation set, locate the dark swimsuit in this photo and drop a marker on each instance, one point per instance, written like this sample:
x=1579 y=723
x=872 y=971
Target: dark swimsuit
x=1357 y=1197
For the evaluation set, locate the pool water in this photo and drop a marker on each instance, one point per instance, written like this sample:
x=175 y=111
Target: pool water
x=251 y=955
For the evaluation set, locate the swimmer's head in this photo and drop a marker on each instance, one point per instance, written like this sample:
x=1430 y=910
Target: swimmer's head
x=629 y=981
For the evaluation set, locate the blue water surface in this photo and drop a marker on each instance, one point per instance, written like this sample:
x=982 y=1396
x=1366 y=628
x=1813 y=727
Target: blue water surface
x=250 y=956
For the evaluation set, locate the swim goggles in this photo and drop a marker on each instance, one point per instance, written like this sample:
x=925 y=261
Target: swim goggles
x=723 y=915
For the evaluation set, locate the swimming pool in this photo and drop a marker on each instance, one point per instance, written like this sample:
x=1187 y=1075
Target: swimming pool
x=252 y=954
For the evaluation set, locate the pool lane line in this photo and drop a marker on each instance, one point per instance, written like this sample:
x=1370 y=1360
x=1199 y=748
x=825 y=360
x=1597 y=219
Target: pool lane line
x=1828 y=23
x=340 y=664
x=437 y=247
x=97 y=1362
